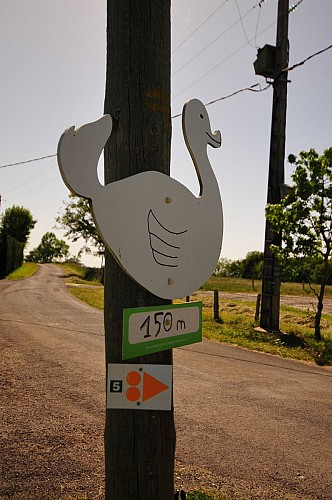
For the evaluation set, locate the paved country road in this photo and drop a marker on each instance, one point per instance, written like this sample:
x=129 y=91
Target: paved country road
x=250 y=424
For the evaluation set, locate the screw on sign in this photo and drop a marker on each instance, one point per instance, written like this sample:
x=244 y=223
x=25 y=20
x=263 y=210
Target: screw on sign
x=141 y=387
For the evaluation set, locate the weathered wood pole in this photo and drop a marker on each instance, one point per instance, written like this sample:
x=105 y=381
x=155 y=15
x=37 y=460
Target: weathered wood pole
x=216 y=305
x=258 y=306
x=139 y=444
x=271 y=269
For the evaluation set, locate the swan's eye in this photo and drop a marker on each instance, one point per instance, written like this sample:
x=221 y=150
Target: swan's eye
x=201 y=116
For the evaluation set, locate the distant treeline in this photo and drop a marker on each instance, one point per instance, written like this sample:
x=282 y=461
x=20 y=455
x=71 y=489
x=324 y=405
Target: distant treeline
x=303 y=270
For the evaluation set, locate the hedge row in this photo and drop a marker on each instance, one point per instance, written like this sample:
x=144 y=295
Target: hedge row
x=11 y=255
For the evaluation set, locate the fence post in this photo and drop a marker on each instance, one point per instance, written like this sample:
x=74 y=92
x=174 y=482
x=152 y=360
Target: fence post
x=258 y=306
x=216 y=305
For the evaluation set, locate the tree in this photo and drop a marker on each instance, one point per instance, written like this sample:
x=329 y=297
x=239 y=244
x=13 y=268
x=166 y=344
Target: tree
x=17 y=222
x=252 y=266
x=49 y=249
x=222 y=267
x=78 y=223
x=304 y=216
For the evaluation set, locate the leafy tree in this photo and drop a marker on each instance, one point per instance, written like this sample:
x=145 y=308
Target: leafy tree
x=252 y=266
x=304 y=217
x=222 y=267
x=49 y=249
x=77 y=221
x=235 y=269
x=17 y=222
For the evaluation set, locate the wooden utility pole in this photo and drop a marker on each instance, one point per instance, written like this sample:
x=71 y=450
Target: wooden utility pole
x=271 y=270
x=139 y=444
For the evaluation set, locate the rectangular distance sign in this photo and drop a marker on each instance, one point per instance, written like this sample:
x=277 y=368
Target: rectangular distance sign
x=157 y=328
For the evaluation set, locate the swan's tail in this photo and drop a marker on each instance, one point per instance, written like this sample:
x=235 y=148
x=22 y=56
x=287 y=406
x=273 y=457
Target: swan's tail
x=78 y=154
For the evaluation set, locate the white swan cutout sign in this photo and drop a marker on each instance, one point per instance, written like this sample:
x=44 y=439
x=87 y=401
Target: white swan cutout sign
x=164 y=237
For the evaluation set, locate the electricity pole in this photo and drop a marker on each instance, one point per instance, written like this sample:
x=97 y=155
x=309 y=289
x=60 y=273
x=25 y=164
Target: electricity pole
x=271 y=270
x=139 y=444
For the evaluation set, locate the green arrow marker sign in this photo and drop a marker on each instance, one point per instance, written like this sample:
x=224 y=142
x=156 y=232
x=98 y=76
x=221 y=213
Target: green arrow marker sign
x=153 y=329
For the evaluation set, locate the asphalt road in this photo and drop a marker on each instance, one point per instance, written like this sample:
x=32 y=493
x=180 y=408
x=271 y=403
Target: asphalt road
x=250 y=424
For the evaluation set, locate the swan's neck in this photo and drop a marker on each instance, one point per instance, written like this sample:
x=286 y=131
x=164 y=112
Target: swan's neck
x=207 y=180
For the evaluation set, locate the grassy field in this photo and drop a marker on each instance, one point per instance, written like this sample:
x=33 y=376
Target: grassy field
x=79 y=274
x=237 y=326
x=239 y=285
x=26 y=270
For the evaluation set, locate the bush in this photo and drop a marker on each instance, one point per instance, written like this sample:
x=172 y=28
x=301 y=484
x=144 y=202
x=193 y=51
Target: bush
x=11 y=255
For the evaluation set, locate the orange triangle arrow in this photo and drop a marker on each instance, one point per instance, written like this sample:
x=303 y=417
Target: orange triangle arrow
x=152 y=386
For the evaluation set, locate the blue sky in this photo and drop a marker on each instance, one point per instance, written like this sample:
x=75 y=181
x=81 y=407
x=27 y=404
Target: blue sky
x=52 y=56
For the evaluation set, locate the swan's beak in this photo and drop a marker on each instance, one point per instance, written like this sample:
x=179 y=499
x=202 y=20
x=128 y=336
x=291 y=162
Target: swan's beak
x=214 y=139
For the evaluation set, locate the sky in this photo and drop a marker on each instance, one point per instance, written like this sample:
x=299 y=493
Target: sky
x=53 y=61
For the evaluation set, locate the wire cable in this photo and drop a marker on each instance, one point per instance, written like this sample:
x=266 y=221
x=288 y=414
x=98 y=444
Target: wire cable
x=39 y=173
x=218 y=64
x=307 y=58
x=293 y=7
x=242 y=24
x=198 y=27
x=211 y=43
x=252 y=88
x=27 y=161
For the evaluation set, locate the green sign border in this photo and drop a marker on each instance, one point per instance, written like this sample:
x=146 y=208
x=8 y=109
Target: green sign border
x=156 y=345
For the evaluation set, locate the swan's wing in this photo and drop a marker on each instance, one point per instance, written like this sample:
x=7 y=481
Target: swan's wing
x=165 y=243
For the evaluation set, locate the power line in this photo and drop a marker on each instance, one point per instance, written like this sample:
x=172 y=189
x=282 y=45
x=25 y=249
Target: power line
x=242 y=24
x=219 y=64
x=199 y=27
x=37 y=174
x=251 y=88
x=27 y=161
x=211 y=43
x=292 y=9
x=307 y=58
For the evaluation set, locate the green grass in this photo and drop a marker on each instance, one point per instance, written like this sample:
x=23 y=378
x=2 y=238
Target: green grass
x=92 y=296
x=240 y=285
x=79 y=274
x=238 y=327
x=26 y=270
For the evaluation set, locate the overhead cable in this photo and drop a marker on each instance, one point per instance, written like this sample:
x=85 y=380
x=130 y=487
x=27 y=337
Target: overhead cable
x=307 y=59
x=251 y=88
x=199 y=27
x=27 y=161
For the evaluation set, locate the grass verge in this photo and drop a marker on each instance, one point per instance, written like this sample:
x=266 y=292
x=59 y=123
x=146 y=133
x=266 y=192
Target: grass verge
x=27 y=269
x=296 y=340
x=238 y=327
x=79 y=274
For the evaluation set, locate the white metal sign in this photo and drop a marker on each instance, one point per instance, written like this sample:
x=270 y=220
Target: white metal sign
x=164 y=237
x=139 y=387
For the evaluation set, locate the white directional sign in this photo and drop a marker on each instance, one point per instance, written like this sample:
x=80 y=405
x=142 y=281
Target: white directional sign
x=139 y=387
